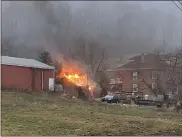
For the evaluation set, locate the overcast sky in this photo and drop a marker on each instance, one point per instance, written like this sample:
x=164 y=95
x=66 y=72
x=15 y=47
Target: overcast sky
x=133 y=26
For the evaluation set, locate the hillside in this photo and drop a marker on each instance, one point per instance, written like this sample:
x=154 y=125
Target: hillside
x=49 y=114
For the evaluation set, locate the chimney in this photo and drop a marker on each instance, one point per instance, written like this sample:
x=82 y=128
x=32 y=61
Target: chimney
x=142 y=58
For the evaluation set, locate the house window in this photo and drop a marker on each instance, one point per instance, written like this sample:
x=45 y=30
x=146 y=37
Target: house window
x=154 y=75
x=135 y=75
x=153 y=85
x=168 y=62
x=112 y=81
x=135 y=87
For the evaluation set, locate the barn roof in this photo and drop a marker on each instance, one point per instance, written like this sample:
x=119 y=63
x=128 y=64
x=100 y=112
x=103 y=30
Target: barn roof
x=23 y=62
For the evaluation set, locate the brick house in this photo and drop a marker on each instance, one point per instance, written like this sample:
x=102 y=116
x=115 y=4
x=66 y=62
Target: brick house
x=140 y=72
x=175 y=82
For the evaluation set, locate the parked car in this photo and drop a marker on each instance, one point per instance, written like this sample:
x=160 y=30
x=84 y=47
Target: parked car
x=59 y=88
x=111 y=99
x=107 y=97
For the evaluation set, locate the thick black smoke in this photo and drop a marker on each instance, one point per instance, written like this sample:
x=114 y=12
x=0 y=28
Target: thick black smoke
x=121 y=27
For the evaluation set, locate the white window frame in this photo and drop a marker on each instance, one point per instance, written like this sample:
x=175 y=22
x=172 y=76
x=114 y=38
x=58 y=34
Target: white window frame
x=135 y=86
x=119 y=80
x=135 y=75
x=153 y=87
x=168 y=62
x=112 y=81
x=154 y=75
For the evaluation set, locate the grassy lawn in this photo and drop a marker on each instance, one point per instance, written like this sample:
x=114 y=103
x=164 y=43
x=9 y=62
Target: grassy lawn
x=50 y=114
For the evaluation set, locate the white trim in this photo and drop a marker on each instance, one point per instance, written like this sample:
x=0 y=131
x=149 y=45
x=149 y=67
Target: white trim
x=154 y=76
x=153 y=87
x=51 y=84
x=28 y=66
x=135 y=86
x=54 y=74
x=42 y=80
x=135 y=75
x=23 y=62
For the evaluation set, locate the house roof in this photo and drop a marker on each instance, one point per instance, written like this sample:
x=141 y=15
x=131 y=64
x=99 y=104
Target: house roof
x=131 y=57
x=23 y=62
x=149 y=62
x=116 y=62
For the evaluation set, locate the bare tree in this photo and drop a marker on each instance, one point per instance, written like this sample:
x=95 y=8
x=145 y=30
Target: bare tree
x=157 y=71
x=45 y=57
x=7 y=47
x=91 y=54
x=104 y=83
x=94 y=57
x=166 y=73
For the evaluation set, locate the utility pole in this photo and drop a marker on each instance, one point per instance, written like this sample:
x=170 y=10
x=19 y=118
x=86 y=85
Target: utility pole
x=181 y=33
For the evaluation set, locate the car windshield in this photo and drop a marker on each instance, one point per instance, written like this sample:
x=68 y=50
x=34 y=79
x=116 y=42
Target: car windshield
x=108 y=96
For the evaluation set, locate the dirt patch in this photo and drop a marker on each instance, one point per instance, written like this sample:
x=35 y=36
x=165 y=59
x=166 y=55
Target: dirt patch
x=168 y=133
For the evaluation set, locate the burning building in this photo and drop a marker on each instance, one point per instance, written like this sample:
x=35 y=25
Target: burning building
x=74 y=75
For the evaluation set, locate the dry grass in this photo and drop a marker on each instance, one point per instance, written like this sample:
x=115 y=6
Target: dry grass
x=49 y=114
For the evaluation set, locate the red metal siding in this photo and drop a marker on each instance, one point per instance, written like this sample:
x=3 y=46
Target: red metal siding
x=22 y=77
x=16 y=77
x=47 y=74
x=38 y=79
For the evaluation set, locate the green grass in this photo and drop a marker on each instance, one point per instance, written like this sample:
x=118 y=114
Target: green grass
x=50 y=114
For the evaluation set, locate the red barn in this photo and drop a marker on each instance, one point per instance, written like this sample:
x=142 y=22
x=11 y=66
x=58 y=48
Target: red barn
x=26 y=74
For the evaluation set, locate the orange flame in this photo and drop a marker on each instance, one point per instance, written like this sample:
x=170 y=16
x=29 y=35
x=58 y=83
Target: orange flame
x=78 y=76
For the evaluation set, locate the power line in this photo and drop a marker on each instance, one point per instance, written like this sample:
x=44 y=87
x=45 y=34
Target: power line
x=180 y=2
x=177 y=6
